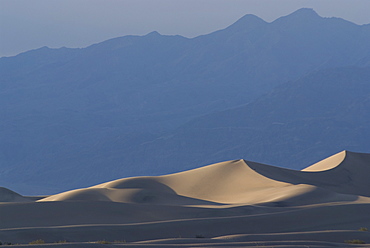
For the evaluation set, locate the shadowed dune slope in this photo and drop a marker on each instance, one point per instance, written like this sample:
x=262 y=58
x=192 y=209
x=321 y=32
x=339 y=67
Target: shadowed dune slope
x=345 y=172
x=317 y=218
x=7 y=195
x=341 y=177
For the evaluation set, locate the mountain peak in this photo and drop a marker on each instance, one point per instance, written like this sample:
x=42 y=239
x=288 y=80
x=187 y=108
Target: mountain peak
x=154 y=33
x=247 y=21
x=305 y=11
x=249 y=18
x=301 y=14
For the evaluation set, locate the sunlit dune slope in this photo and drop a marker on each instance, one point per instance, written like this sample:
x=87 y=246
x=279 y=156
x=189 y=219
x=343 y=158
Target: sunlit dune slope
x=342 y=177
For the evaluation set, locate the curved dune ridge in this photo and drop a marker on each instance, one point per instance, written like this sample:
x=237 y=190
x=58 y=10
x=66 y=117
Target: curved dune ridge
x=328 y=163
x=345 y=173
x=342 y=177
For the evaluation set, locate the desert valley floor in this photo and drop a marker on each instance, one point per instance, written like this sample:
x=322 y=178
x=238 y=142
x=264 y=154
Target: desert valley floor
x=229 y=204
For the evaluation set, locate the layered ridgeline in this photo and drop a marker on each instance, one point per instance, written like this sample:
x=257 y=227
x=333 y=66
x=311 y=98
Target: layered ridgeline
x=233 y=203
x=99 y=108
x=294 y=125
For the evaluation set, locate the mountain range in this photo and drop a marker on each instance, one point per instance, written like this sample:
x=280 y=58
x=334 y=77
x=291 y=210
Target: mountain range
x=135 y=104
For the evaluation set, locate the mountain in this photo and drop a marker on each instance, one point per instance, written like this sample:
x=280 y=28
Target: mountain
x=295 y=125
x=79 y=108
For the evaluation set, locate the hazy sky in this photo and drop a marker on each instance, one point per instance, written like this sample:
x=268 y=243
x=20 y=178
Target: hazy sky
x=30 y=24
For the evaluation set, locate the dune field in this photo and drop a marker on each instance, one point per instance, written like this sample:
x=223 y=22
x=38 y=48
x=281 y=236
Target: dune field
x=230 y=204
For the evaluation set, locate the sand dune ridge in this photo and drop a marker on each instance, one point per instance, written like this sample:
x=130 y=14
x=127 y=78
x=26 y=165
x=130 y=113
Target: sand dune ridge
x=238 y=182
x=237 y=201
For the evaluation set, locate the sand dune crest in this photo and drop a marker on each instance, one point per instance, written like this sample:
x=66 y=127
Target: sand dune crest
x=239 y=182
x=226 y=182
x=328 y=163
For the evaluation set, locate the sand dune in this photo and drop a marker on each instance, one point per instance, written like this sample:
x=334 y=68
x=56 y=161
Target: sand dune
x=238 y=182
x=226 y=182
x=7 y=195
x=321 y=205
x=345 y=172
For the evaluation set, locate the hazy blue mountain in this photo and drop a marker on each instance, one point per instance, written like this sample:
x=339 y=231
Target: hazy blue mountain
x=91 y=108
x=299 y=123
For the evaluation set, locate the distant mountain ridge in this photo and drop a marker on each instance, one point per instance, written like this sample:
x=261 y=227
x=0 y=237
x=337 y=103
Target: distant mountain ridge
x=293 y=126
x=66 y=107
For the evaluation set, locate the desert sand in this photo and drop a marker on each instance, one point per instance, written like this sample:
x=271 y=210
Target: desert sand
x=230 y=204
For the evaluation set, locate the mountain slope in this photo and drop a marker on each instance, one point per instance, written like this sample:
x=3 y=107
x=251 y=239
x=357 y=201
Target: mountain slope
x=295 y=125
x=67 y=108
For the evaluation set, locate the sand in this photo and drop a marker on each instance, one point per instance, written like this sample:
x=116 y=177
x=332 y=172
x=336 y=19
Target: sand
x=230 y=204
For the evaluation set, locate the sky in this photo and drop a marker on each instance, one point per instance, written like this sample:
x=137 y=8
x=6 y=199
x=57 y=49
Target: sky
x=31 y=24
